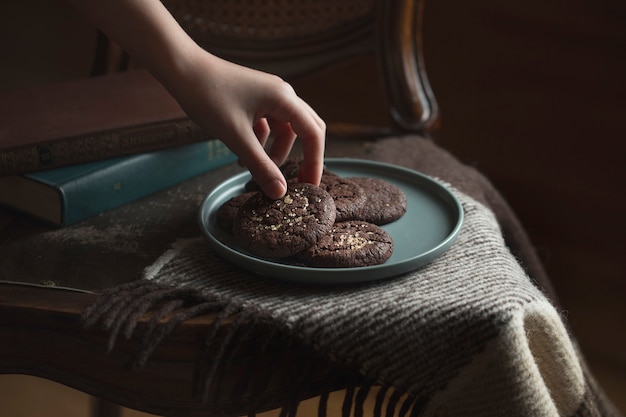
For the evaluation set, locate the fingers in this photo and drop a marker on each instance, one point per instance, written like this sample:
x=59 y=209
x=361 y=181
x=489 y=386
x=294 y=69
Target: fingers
x=262 y=130
x=287 y=116
x=263 y=169
x=299 y=119
x=272 y=182
x=284 y=138
x=313 y=144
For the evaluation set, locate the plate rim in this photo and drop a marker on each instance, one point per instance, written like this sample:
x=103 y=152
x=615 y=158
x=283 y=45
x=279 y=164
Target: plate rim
x=285 y=272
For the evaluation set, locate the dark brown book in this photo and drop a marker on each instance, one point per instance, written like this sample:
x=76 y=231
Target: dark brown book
x=88 y=120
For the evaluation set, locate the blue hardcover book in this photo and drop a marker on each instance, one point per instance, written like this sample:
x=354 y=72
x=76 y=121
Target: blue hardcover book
x=67 y=195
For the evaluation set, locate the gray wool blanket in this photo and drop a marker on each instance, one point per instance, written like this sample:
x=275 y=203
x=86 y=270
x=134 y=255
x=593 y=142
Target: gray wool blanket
x=477 y=332
x=468 y=334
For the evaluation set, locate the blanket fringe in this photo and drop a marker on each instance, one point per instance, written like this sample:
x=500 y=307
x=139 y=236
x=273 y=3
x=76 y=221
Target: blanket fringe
x=121 y=309
x=206 y=376
x=359 y=400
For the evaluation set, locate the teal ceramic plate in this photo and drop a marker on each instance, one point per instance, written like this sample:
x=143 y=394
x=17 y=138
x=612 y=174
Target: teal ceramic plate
x=429 y=227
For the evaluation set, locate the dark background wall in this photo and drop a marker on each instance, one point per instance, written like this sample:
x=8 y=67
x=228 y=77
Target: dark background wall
x=532 y=92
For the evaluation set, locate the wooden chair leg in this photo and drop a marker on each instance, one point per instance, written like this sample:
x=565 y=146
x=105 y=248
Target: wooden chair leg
x=102 y=408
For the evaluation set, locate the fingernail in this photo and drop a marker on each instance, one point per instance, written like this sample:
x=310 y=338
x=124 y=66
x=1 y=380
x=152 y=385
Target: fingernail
x=275 y=189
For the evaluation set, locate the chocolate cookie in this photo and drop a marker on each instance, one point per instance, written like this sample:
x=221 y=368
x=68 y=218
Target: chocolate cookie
x=284 y=227
x=385 y=202
x=348 y=195
x=291 y=168
x=350 y=244
x=227 y=212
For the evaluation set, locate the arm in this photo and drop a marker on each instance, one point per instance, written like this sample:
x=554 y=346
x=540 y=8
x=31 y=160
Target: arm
x=237 y=104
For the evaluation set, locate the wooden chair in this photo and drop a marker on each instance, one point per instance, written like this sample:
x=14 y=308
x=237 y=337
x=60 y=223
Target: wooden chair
x=41 y=327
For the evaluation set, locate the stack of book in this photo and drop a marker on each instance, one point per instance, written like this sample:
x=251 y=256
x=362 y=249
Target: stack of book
x=71 y=150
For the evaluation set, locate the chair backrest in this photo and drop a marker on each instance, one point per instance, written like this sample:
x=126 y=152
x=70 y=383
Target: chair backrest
x=284 y=37
x=292 y=38
x=296 y=38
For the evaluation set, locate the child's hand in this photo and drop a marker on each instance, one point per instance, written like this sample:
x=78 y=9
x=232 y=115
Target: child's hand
x=241 y=107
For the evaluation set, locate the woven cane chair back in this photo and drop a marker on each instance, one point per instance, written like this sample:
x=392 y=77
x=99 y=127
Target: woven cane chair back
x=285 y=37
x=262 y=20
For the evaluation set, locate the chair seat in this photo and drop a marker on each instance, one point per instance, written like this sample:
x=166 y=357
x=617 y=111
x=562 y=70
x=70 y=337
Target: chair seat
x=43 y=335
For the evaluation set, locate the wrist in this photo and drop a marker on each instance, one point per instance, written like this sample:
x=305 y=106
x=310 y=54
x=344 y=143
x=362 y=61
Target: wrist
x=181 y=64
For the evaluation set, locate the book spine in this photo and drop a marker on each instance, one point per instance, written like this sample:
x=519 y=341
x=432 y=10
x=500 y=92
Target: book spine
x=102 y=145
x=139 y=176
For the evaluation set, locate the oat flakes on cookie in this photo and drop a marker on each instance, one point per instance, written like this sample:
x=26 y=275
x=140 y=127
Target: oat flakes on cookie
x=350 y=244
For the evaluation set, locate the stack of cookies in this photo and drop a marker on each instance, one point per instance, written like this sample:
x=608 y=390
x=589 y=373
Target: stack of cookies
x=335 y=225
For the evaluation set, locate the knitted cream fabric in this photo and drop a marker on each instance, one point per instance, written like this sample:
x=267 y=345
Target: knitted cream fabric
x=469 y=332
x=530 y=369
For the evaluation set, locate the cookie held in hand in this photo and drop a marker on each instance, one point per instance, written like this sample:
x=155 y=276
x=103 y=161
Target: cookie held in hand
x=284 y=227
